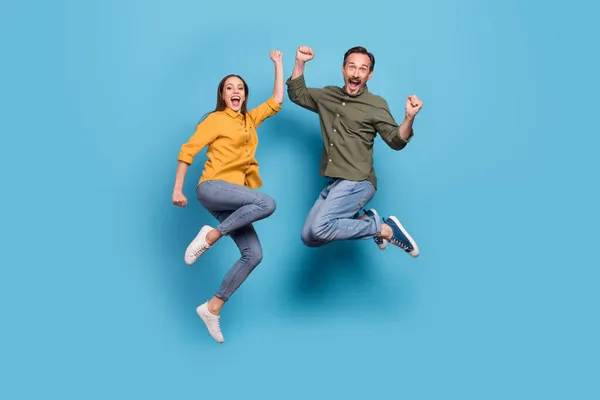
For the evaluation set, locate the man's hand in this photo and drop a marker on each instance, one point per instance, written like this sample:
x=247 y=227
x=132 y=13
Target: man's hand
x=413 y=105
x=304 y=54
x=277 y=57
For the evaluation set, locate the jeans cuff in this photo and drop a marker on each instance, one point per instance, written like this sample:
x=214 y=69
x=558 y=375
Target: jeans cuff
x=222 y=296
x=377 y=225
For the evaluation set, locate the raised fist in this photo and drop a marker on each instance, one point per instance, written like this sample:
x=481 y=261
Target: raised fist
x=276 y=56
x=304 y=54
x=413 y=105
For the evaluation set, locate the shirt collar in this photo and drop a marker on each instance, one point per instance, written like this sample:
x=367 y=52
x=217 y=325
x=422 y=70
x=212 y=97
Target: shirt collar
x=232 y=113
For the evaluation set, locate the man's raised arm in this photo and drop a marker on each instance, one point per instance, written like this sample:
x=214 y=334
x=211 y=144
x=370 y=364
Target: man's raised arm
x=297 y=90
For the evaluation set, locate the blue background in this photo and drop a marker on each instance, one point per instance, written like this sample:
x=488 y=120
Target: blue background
x=499 y=188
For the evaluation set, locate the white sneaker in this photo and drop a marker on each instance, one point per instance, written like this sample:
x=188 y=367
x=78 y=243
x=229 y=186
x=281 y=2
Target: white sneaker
x=198 y=246
x=211 y=321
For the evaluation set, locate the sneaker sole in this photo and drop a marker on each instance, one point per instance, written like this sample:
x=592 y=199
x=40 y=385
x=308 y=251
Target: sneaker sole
x=415 y=252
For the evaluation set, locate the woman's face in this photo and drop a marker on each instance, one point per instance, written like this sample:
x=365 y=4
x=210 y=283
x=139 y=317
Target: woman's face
x=233 y=93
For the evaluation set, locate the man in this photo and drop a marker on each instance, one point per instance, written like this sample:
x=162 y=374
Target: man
x=350 y=119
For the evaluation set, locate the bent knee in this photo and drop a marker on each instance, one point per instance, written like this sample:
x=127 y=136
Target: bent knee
x=321 y=229
x=306 y=237
x=307 y=232
x=268 y=204
x=312 y=243
x=313 y=236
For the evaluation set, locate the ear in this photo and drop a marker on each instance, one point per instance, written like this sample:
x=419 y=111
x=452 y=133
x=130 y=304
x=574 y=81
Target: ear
x=370 y=75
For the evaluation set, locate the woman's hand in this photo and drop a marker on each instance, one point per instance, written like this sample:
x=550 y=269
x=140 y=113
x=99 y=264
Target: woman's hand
x=277 y=56
x=278 y=88
x=179 y=198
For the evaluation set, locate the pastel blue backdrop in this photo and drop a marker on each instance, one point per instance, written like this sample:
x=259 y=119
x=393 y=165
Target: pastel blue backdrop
x=499 y=188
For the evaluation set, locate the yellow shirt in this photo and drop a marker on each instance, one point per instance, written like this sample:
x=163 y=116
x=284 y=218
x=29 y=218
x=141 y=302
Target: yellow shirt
x=231 y=144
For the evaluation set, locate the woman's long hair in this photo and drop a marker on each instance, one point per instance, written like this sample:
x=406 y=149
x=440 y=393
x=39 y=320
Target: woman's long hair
x=221 y=103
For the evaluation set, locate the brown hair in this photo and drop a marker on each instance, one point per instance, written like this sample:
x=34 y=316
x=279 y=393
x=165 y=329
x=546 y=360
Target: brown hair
x=361 y=50
x=221 y=103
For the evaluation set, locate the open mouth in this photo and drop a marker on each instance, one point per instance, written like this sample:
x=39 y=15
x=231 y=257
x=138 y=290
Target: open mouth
x=236 y=101
x=353 y=83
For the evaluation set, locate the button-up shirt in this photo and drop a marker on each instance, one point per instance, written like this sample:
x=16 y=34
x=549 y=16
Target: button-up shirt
x=349 y=124
x=232 y=142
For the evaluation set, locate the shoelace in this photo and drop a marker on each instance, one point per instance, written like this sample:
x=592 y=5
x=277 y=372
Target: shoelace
x=400 y=244
x=215 y=321
x=217 y=324
x=200 y=250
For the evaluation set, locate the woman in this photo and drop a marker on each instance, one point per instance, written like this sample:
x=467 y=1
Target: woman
x=227 y=187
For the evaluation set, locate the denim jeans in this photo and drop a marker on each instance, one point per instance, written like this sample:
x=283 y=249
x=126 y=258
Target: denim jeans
x=236 y=207
x=332 y=217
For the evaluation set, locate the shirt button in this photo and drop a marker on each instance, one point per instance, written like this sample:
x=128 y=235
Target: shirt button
x=330 y=160
x=334 y=130
x=337 y=115
x=343 y=104
x=331 y=144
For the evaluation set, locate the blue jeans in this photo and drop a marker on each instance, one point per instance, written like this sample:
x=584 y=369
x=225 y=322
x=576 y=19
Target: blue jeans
x=332 y=217
x=236 y=207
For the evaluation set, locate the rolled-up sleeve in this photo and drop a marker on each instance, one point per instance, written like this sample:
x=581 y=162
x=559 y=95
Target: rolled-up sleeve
x=301 y=95
x=264 y=111
x=388 y=128
x=204 y=134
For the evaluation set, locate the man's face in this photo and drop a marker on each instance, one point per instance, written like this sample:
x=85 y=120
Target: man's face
x=356 y=72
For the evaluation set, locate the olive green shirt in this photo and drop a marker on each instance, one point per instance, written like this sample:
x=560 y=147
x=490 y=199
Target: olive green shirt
x=349 y=124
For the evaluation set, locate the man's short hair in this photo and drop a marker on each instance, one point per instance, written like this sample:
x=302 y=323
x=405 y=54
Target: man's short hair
x=361 y=50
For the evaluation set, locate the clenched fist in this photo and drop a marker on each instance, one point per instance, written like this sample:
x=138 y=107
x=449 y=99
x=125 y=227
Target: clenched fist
x=413 y=105
x=276 y=56
x=179 y=199
x=304 y=54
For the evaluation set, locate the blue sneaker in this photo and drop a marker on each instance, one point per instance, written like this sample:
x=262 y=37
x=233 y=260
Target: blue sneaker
x=401 y=238
x=379 y=241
